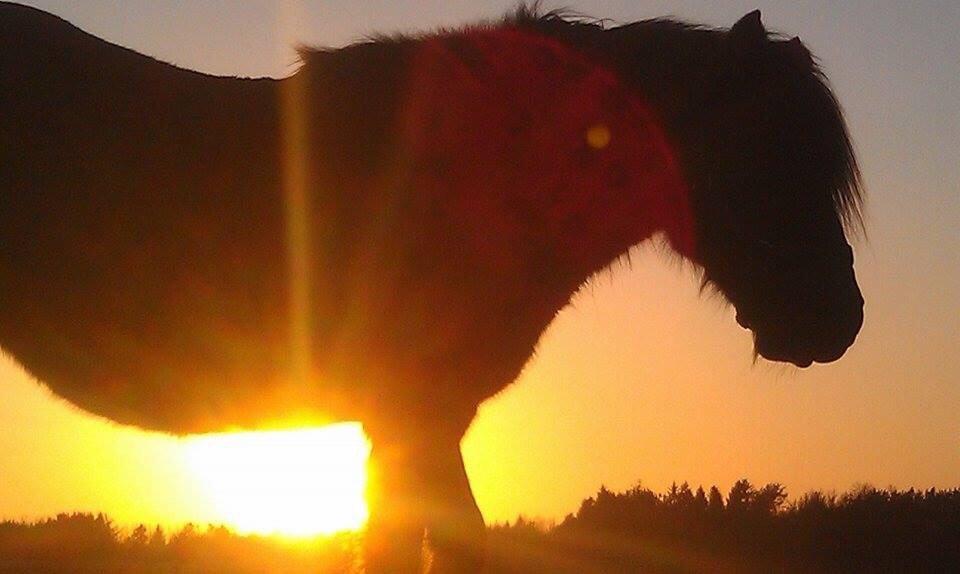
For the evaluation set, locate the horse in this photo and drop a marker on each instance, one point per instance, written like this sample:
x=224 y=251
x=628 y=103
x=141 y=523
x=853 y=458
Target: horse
x=384 y=235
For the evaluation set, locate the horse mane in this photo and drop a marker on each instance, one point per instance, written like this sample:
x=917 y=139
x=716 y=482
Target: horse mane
x=592 y=36
x=586 y=33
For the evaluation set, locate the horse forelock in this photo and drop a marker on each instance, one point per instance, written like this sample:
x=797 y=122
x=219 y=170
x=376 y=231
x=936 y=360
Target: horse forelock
x=828 y=125
x=848 y=183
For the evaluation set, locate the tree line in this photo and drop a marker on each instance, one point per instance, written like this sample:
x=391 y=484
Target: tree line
x=750 y=529
x=84 y=542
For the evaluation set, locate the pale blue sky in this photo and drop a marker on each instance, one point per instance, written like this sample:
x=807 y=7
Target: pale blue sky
x=888 y=413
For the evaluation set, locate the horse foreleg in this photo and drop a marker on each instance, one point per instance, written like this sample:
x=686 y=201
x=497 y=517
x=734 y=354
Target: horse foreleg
x=455 y=526
x=395 y=531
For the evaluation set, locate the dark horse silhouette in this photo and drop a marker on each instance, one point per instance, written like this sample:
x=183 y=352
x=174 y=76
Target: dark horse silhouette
x=384 y=235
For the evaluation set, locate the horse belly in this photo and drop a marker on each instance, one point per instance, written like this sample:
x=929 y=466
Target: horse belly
x=151 y=315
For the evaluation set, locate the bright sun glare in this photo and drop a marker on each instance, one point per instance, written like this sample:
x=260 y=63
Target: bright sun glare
x=291 y=483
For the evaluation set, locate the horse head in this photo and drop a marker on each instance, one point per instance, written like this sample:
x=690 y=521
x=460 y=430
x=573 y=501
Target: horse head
x=774 y=185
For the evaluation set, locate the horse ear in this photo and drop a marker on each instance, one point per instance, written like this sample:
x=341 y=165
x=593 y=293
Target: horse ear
x=799 y=53
x=748 y=32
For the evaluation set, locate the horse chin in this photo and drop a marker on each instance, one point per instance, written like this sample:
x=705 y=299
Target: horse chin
x=798 y=360
x=775 y=340
x=784 y=350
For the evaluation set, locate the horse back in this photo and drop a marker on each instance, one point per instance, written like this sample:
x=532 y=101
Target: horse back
x=141 y=250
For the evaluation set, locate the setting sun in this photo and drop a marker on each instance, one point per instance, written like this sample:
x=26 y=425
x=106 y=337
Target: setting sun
x=291 y=483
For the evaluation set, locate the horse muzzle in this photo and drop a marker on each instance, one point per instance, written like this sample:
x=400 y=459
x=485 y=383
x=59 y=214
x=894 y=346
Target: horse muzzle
x=807 y=338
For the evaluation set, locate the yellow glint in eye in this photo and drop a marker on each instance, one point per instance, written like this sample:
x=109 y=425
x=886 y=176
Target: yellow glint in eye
x=598 y=136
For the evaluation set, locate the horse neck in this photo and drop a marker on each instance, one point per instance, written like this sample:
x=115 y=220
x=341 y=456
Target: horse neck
x=569 y=182
x=622 y=182
x=671 y=69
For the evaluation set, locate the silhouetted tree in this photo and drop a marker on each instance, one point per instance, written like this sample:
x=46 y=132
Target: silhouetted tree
x=700 y=501
x=769 y=499
x=157 y=539
x=741 y=496
x=139 y=536
x=715 y=502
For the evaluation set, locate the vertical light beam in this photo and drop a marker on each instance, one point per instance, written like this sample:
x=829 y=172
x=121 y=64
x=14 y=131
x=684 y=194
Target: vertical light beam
x=296 y=148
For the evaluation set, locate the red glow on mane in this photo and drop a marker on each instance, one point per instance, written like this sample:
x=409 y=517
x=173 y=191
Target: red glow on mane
x=507 y=117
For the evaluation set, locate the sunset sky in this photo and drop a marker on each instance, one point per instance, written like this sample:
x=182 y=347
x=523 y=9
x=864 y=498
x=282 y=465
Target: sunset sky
x=641 y=378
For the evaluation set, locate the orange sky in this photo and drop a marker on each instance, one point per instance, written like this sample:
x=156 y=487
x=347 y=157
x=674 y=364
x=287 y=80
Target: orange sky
x=641 y=378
